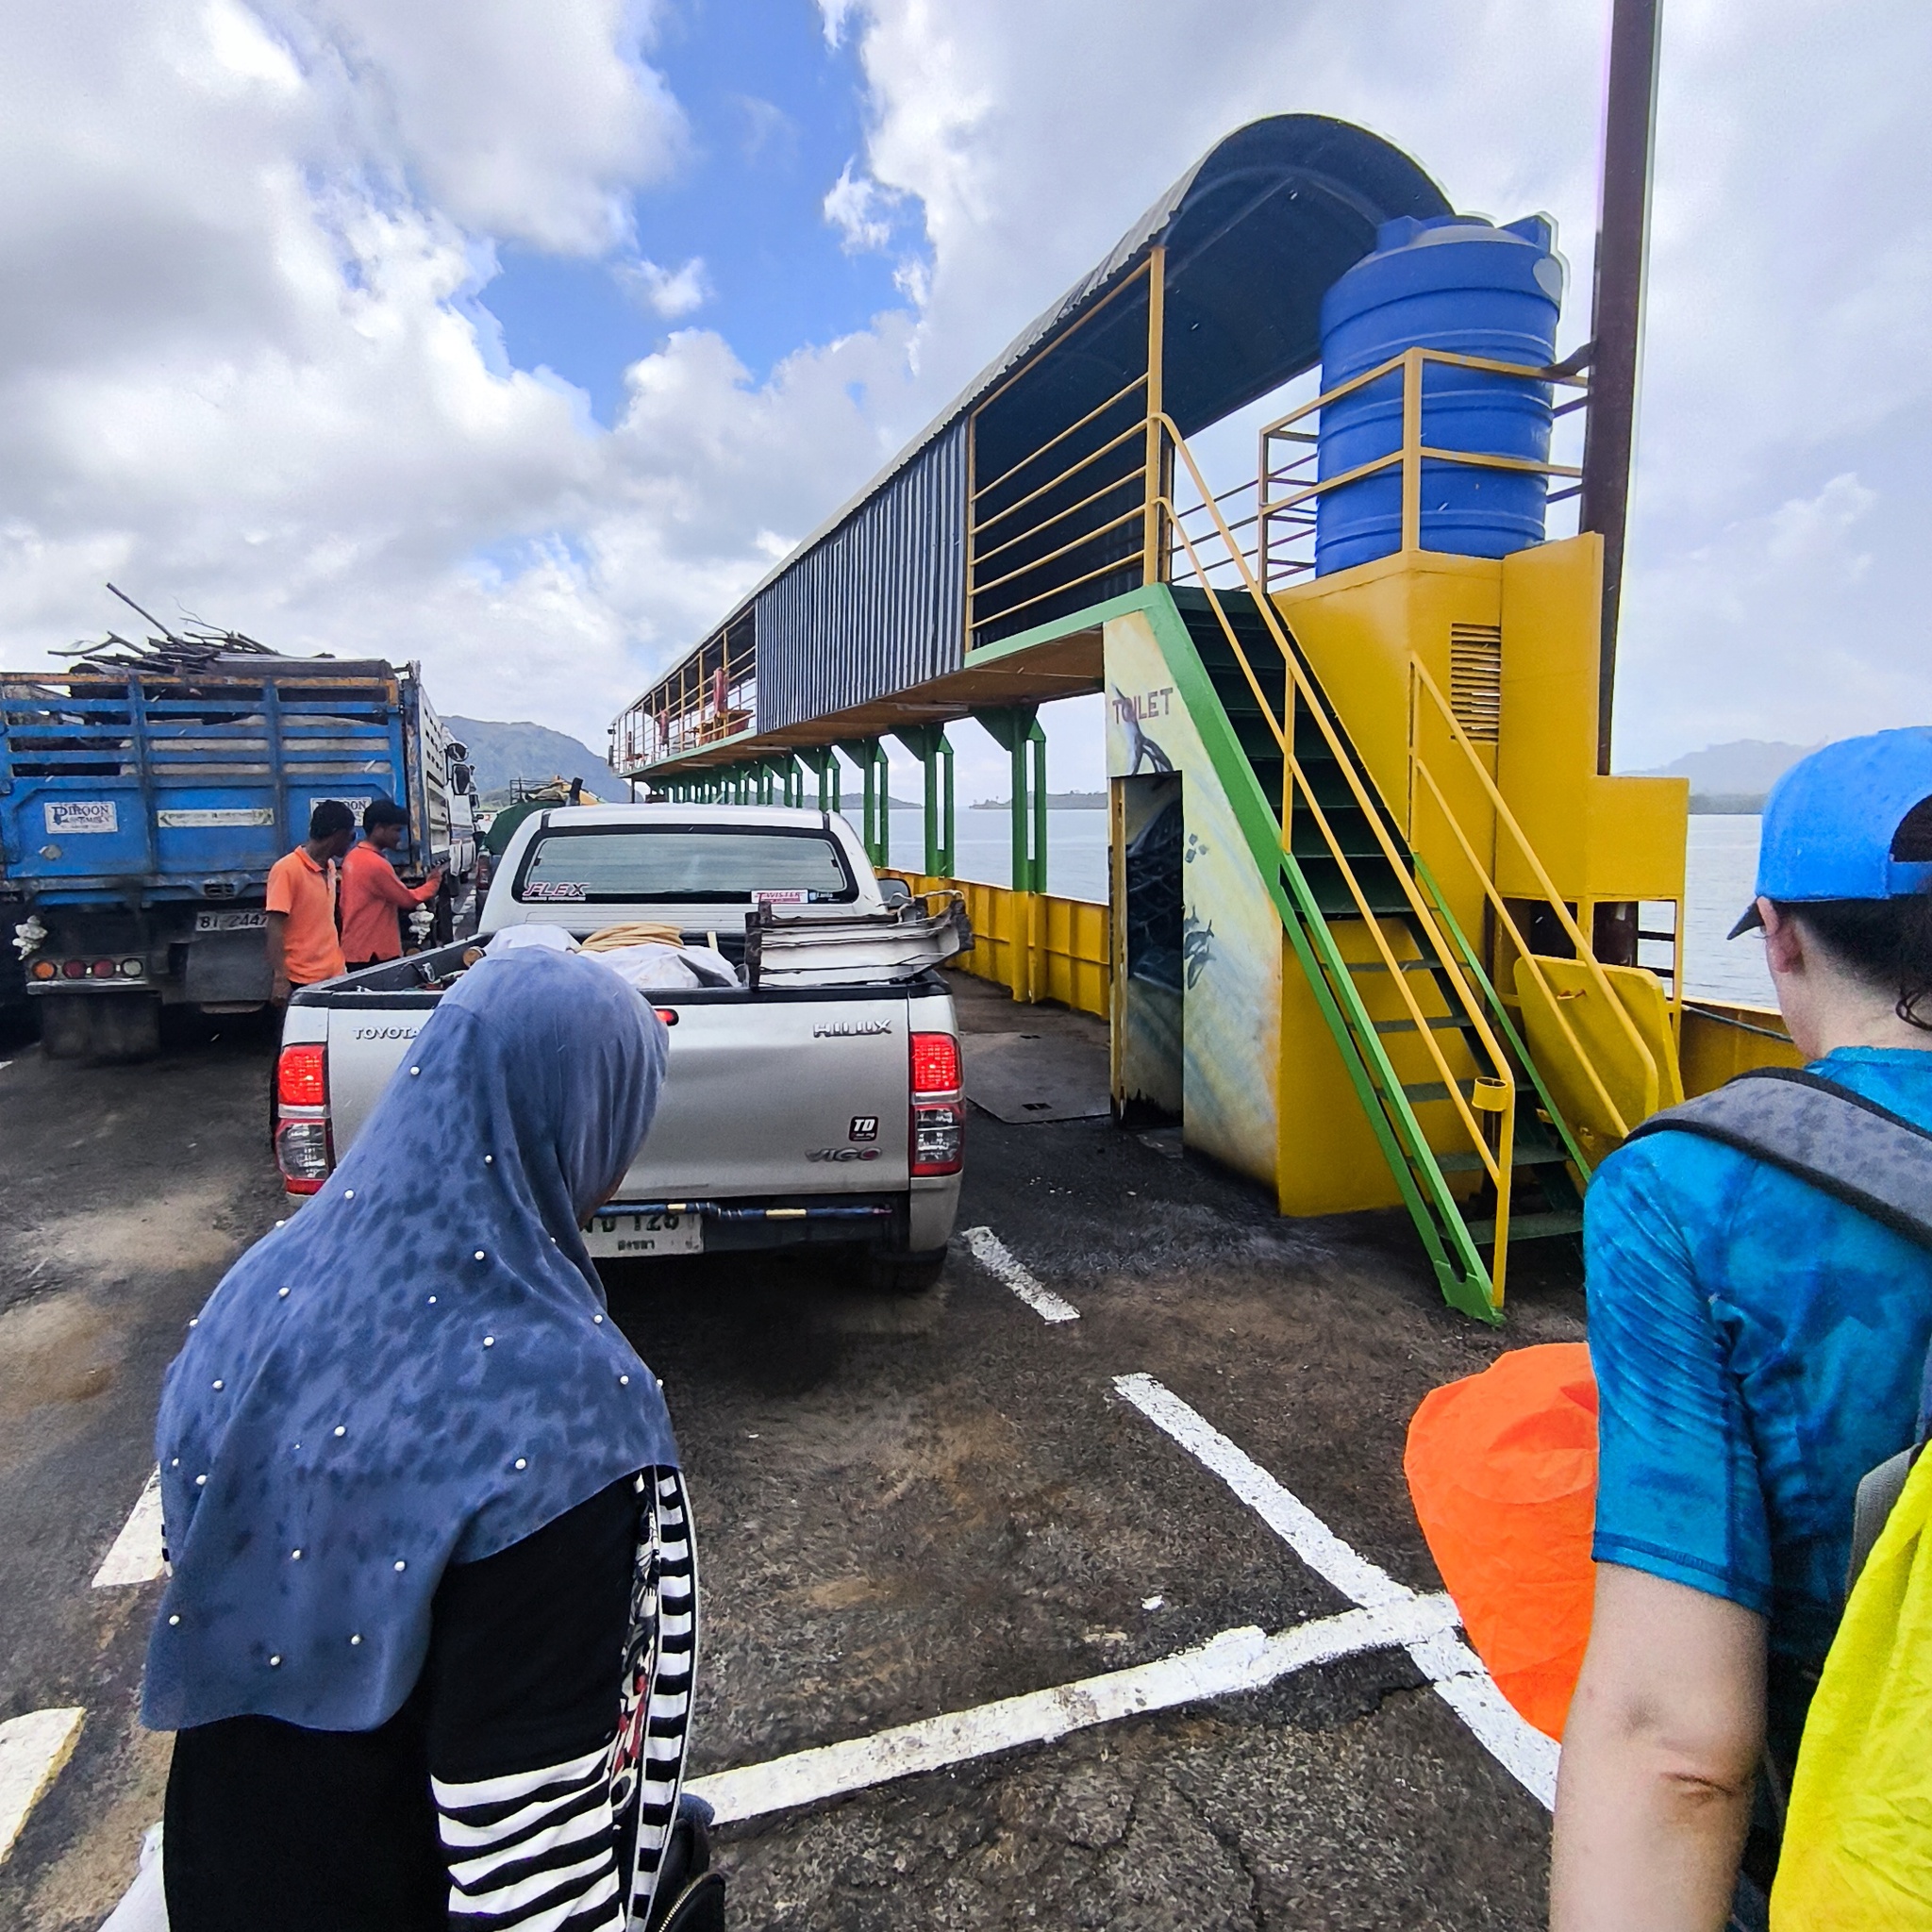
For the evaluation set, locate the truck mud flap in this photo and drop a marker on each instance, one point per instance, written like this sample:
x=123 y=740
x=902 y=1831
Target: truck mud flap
x=100 y=1026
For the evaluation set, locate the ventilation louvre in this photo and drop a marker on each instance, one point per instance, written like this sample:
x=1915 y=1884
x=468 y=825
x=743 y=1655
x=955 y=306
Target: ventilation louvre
x=1475 y=679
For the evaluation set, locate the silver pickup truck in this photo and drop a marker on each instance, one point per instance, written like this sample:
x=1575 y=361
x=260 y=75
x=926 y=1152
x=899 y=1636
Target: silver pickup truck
x=813 y=1094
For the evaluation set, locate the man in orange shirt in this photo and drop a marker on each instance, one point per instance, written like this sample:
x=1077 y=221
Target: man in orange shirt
x=373 y=896
x=302 y=945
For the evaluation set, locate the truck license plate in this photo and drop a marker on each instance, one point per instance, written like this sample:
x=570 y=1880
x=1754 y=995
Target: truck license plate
x=230 y=921
x=633 y=1236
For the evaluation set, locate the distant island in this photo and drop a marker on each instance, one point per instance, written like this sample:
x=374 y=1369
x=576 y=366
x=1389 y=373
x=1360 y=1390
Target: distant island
x=1734 y=778
x=1056 y=801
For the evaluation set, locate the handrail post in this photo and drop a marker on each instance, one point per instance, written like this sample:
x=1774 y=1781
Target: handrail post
x=1411 y=449
x=1153 y=565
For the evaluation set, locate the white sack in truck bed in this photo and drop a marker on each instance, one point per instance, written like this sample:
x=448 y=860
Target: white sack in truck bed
x=802 y=946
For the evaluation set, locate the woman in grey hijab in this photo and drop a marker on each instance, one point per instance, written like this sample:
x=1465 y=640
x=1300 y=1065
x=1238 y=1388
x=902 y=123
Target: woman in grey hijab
x=429 y=1638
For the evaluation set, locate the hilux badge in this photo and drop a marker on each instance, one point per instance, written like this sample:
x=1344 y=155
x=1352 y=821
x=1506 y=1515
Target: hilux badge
x=851 y=1029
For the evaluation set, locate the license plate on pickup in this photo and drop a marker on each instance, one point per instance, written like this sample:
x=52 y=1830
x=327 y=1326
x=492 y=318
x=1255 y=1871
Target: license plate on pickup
x=631 y=1236
x=246 y=921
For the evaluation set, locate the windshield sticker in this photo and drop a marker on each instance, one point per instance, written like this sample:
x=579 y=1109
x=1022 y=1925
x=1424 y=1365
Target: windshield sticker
x=556 y=889
x=790 y=899
x=83 y=815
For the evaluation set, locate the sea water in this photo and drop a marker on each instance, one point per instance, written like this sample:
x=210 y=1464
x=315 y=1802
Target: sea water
x=1721 y=865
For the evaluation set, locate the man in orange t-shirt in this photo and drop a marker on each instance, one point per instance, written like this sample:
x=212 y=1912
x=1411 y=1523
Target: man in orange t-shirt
x=374 y=897
x=302 y=945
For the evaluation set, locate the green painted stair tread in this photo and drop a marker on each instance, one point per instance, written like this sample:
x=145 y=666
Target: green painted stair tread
x=1541 y=1226
x=1521 y=1157
x=1423 y=1091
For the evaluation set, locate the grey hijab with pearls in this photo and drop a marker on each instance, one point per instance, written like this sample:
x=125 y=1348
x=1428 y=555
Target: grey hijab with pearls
x=417 y=1369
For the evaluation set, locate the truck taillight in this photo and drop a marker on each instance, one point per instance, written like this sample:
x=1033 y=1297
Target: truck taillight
x=302 y=1076
x=304 y=1155
x=938 y=1108
x=935 y=1063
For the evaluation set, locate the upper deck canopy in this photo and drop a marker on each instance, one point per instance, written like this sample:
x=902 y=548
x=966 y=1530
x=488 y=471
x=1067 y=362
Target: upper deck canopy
x=874 y=604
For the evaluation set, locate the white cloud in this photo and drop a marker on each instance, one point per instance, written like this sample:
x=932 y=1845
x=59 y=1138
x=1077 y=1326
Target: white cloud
x=672 y=293
x=243 y=367
x=861 y=211
x=835 y=13
x=531 y=124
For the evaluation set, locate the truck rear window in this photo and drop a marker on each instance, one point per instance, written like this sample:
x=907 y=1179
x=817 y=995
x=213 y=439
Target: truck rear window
x=623 y=865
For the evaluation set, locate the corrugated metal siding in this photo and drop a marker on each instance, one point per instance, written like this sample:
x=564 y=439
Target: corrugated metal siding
x=874 y=605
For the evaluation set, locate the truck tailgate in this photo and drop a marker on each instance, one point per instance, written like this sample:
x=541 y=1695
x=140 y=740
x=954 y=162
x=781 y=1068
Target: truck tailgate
x=779 y=1095
x=783 y=1093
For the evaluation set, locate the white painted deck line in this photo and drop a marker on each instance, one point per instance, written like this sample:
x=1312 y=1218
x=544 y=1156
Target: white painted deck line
x=1450 y=1665
x=994 y=1256
x=135 y=1556
x=32 y=1750
x=1236 y=1660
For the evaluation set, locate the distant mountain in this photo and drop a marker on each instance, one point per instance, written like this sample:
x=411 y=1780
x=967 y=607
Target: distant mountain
x=1734 y=776
x=534 y=753
x=1056 y=801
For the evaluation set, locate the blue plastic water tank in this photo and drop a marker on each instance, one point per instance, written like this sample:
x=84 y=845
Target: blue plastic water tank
x=1453 y=282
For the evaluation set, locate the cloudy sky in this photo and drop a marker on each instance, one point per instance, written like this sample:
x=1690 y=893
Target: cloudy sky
x=521 y=339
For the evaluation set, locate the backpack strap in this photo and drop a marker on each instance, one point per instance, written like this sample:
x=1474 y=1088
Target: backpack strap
x=1857 y=1151
x=1825 y=1135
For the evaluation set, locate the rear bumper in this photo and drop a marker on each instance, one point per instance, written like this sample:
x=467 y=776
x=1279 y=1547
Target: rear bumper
x=909 y=1222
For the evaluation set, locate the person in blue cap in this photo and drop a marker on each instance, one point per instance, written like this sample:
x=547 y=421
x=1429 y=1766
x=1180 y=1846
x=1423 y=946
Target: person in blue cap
x=1759 y=1347
x=428 y=1647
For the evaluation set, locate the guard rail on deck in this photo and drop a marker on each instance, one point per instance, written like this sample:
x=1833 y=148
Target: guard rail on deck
x=1723 y=1038
x=1037 y=947
x=1273 y=560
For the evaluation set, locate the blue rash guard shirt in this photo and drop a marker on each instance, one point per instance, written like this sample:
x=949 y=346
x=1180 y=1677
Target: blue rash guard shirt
x=1759 y=1346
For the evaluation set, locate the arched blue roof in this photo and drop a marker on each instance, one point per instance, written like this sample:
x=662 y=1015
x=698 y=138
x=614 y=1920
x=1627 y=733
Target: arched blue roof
x=1254 y=234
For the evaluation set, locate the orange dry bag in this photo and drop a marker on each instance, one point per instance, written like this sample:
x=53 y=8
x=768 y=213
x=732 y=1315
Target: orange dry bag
x=1502 y=1467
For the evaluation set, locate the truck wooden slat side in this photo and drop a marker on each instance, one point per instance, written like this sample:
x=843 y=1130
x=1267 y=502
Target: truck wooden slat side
x=141 y=809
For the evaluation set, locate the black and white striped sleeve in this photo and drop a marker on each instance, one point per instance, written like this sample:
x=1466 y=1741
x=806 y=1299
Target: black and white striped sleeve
x=562 y=1672
x=533 y=1850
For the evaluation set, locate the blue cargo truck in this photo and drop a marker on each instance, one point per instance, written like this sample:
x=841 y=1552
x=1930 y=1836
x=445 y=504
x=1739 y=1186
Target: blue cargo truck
x=142 y=803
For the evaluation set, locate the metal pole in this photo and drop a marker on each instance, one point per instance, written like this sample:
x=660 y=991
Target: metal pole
x=1037 y=739
x=1617 y=314
x=948 y=799
x=1023 y=872
x=1153 y=558
x=928 y=758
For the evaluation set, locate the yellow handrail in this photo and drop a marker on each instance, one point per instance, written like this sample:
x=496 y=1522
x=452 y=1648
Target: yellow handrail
x=1507 y=820
x=1496 y=900
x=1413 y=451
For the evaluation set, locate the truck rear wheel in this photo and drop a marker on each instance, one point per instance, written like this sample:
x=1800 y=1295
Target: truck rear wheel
x=899 y=1272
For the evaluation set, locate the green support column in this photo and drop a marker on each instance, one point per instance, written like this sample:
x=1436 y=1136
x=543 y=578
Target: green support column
x=1019 y=733
x=929 y=745
x=875 y=831
x=822 y=763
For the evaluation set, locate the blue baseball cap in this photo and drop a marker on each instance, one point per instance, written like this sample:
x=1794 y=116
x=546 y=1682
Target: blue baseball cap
x=1853 y=821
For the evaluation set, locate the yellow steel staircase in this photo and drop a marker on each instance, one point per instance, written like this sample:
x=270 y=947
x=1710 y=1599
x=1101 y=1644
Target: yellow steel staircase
x=1476 y=1096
